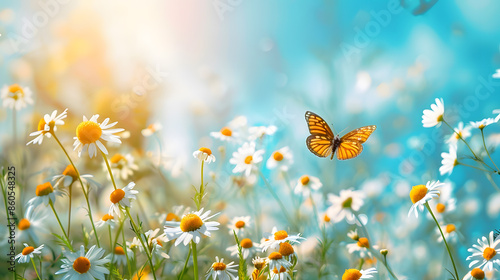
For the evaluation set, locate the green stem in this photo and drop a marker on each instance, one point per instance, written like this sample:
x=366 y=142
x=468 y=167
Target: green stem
x=444 y=239
x=83 y=187
x=69 y=210
x=109 y=169
x=126 y=254
x=315 y=210
x=488 y=176
x=59 y=222
x=36 y=271
x=486 y=149
x=276 y=197
x=185 y=265
x=14 y=125
x=202 y=188
x=475 y=167
x=195 y=260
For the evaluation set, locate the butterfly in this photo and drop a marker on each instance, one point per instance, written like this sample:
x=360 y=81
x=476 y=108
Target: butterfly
x=322 y=142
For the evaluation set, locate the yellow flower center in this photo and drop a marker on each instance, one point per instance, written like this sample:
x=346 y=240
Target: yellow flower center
x=226 y=131
x=450 y=228
x=24 y=224
x=326 y=218
x=191 y=222
x=440 y=207
x=489 y=253
x=363 y=242
x=286 y=249
x=351 y=274
x=88 y=132
x=172 y=217
x=417 y=193
x=219 y=266
x=277 y=156
x=44 y=189
x=158 y=241
x=477 y=273
x=206 y=150
x=28 y=250
x=440 y=118
x=347 y=203
x=239 y=224
x=275 y=256
x=458 y=135
x=276 y=271
x=119 y=251
x=151 y=127
x=116 y=158
x=81 y=265
x=481 y=126
x=280 y=235
x=248 y=159
x=117 y=195
x=304 y=180
x=107 y=217
x=16 y=92
x=70 y=171
x=41 y=125
x=246 y=243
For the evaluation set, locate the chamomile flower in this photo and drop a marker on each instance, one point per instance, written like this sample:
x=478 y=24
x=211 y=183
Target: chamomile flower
x=450 y=233
x=222 y=271
x=84 y=266
x=16 y=97
x=106 y=220
x=122 y=166
x=32 y=224
x=120 y=258
x=239 y=224
x=421 y=194
x=204 y=154
x=485 y=254
x=122 y=197
x=246 y=158
x=275 y=260
x=281 y=159
x=248 y=248
x=345 y=205
x=151 y=129
x=433 y=117
x=69 y=176
x=47 y=125
x=281 y=274
x=287 y=251
x=45 y=193
x=307 y=183
x=361 y=247
x=279 y=236
x=90 y=133
x=231 y=132
x=475 y=273
x=136 y=243
x=191 y=227
x=445 y=203
x=155 y=243
x=449 y=161
x=460 y=132
x=483 y=123
x=28 y=253
x=354 y=274
x=258 y=132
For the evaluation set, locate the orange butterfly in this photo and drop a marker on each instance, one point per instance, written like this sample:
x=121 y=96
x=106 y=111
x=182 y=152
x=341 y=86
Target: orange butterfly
x=322 y=142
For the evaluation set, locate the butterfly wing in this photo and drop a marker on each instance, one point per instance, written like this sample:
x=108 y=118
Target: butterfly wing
x=318 y=126
x=319 y=145
x=350 y=144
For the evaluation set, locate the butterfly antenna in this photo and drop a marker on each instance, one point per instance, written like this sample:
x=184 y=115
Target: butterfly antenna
x=343 y=130
x=333 y=128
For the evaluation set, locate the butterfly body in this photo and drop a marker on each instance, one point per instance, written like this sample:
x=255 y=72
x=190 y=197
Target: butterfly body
x=322 y=142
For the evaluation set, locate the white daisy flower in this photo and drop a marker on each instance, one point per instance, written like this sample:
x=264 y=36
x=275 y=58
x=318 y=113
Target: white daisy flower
x=279 y=236
x=122 y=166
x=287 y=251
x=259 y=263
x=222 y=271
x=474 y=274
x=460 y=131
x=90 y=133
x=16 y=97
x=281 y=274
x=483 y=123
x=151 y=129
x=136 y=243
x=122 y=197
x=120 y=258
x=178 y=211
x=324 y=220
x=353 y=234
x=84 y=266
x=345 y=205
x=485 y=254
x=44 y=194
x=433 y=117
x=306 y=183
x=450 y=233
x=245 y=158
x=32 y=224
x=281 y=159
x=258 y=132
x=204 y=154
x=69 y=176
x=47 y=125
x=421 y=194
x=449 y=161
x=155 y=243
x=239 y=224
x=361 y=248
x=232 y=132
x=248 y=248
x=28 y=253
x=275 y=260
x=191 y=227
x=354 y=274
x=106 y=220
x=445 y=203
